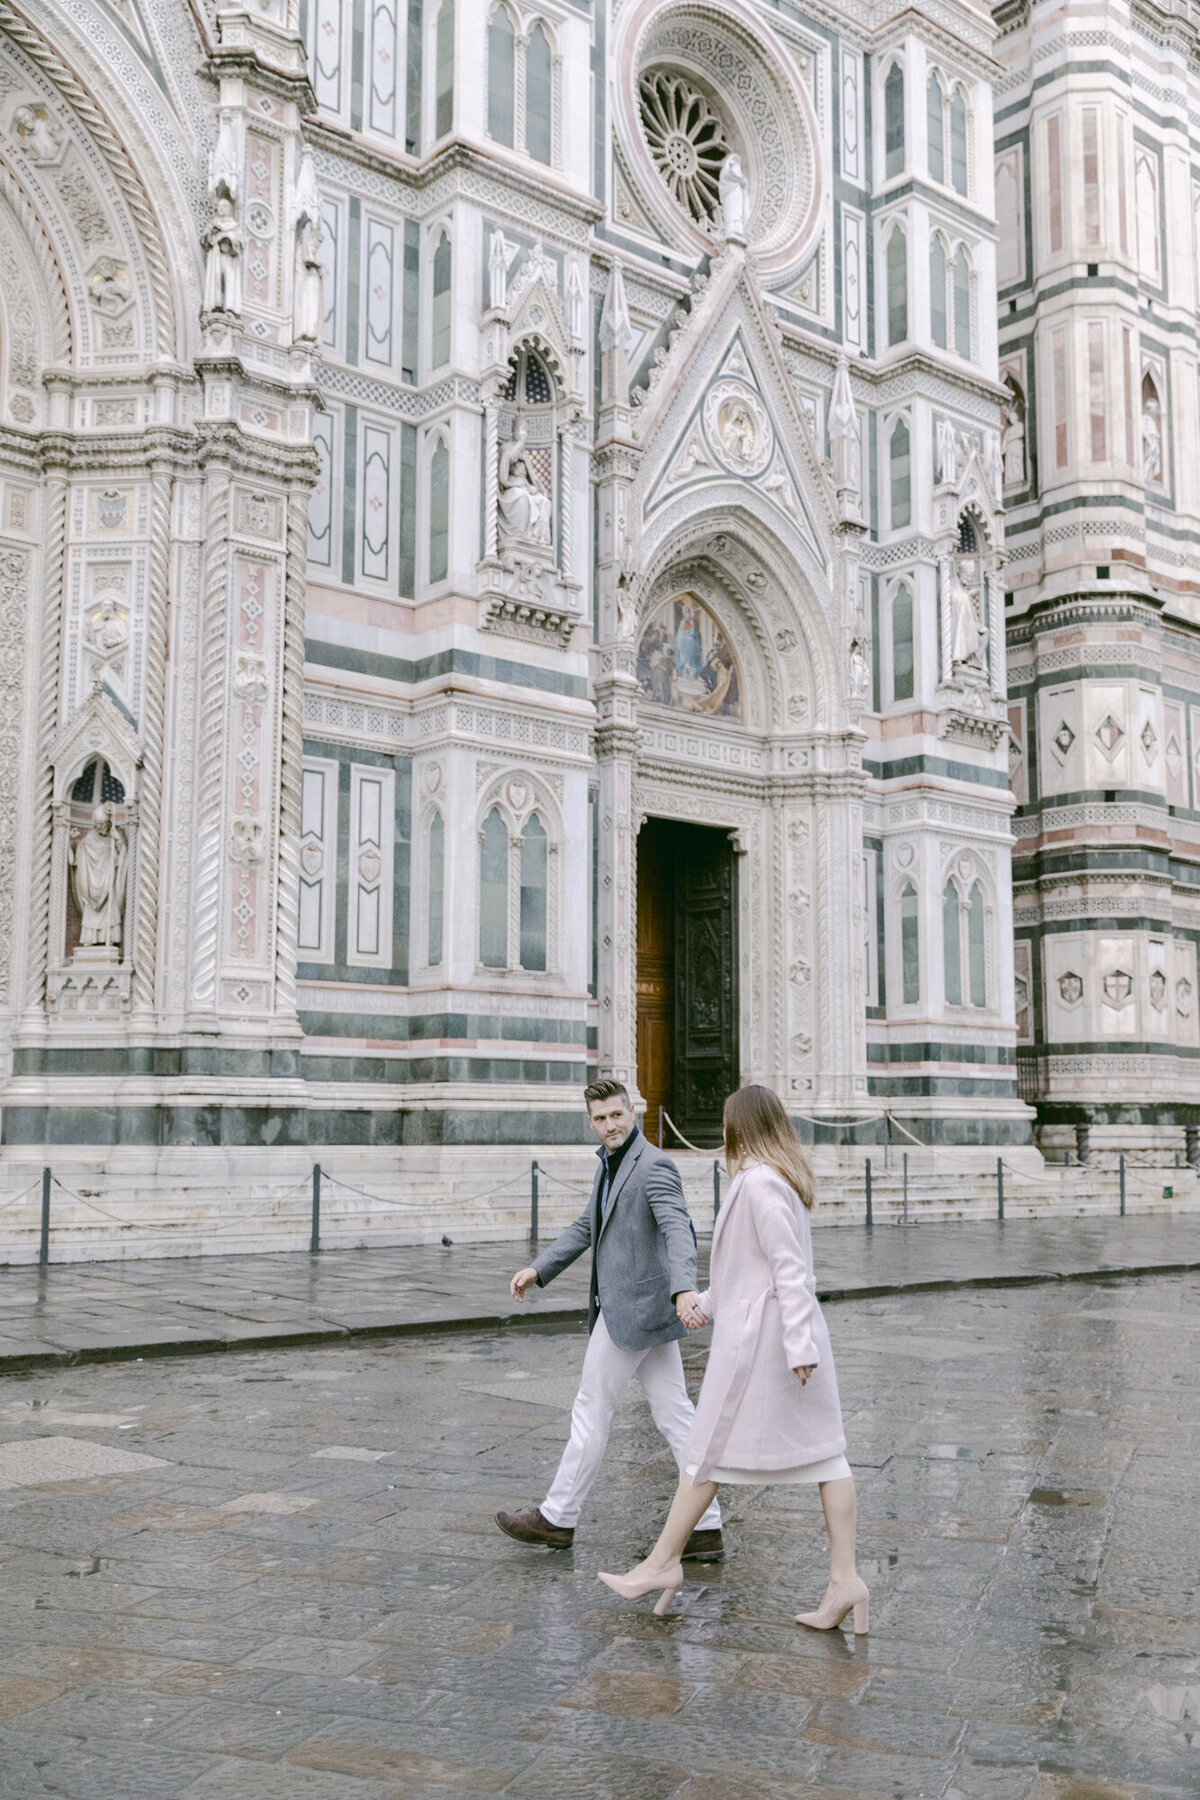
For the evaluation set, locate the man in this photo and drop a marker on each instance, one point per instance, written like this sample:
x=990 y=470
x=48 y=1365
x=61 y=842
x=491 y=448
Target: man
x=641 y=1302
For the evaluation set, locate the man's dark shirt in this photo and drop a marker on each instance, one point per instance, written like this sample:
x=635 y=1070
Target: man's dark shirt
x=612 y=1160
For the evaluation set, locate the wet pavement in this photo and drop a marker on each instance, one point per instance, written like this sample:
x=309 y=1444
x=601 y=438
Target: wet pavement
x=274 y=1576
x=101 y=1311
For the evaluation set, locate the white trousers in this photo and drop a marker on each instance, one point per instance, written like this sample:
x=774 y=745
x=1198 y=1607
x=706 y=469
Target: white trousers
x=607 y=1372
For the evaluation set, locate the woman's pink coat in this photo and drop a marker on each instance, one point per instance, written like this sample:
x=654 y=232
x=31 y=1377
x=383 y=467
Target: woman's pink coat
x=752 y=1412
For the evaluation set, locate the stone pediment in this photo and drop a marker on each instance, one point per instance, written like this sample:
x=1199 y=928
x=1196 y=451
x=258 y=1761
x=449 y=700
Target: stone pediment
x=535 y=317
x=720 y=409
x=98 y=728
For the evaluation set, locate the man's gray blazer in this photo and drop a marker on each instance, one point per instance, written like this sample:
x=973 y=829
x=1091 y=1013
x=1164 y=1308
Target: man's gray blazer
x=643 y=1250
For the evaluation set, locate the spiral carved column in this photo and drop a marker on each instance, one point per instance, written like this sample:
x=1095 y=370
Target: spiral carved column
x=145 y=946
x=47 y=725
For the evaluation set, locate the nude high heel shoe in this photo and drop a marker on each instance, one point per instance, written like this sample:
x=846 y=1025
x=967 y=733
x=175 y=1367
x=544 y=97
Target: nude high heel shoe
x=833 y=1609
x=632 y=1587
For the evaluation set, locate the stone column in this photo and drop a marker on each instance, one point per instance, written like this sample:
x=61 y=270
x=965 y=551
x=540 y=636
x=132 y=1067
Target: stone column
x=54 y=554
x=616 y=750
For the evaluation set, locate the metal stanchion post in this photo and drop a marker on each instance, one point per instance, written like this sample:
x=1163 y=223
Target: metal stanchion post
x=1000 y=1189
x=533 y=1206
x=44 y=1252
x=315 y=1241
x=660 y=1127
x=716 y=1188
x=906 y=1187
x=1122 y=1168
x=870 y=1221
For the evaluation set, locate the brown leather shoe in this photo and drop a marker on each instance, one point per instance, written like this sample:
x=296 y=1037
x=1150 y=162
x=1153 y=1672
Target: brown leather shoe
x=704 y=1546
x=531 y=1528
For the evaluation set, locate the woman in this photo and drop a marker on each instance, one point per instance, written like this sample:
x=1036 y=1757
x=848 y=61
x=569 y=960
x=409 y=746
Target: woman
x=768 y=1409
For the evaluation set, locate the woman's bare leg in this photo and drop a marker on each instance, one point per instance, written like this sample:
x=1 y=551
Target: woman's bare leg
x=839 y=1504
x=691 y=1502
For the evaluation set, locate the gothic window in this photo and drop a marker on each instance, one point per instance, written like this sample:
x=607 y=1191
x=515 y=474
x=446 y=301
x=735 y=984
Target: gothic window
x=937 y=291
x=493 y=892
x=534 y=881
x=910 y=952
x=903 y=666
x=436 y=890
x=1096 y=390
x=439 y=512
x=686 y=139
x=502 y=78
x=952 y=944
x=964 y=945
x=935 y=129
x=962 y=304
x=444 y=70
x=1058 y=389
x=439 y=343
x=1091 y=175
x=958 y=142
x=900 y=461
x=893 y=122
x=1010 y=217
x=1145 y=187
x=1054 y=182
x=976 y=948
x=897 y=287
x=1153 y=434
x=539 y=97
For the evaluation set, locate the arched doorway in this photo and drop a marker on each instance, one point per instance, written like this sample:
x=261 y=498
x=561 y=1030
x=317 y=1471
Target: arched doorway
x=687 y=989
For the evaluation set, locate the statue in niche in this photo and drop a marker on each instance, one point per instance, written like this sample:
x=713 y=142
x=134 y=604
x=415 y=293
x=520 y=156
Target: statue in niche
x=524 y=505
x=105 y=634
x=967 y=635
x=1012 y=441
x=310 y=282
x=223 y=242
x=734 y=190
x=1152 y=447
x=860 y=674
x=97 y=862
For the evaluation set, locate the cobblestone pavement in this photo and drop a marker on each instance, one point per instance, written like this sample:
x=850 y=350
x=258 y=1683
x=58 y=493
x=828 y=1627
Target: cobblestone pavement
x=112 y=1309
x=275 y=1576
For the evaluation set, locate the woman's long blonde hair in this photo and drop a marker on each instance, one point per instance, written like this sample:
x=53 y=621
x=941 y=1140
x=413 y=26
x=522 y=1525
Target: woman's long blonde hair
x=757 y=1129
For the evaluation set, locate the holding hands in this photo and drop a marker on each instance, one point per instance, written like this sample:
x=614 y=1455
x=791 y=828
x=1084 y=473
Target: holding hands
x=691 y=1315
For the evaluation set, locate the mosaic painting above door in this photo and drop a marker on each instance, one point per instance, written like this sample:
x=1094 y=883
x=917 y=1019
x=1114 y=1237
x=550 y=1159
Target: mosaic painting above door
x=685 y=662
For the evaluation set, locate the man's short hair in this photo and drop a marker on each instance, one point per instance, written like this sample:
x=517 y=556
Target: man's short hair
x=607 y=1089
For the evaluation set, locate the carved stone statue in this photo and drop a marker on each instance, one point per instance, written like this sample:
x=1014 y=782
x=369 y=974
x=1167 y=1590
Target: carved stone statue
x=1152 y=463
x=223 y=271
x=40 y=134
x=106 y=634
x=310 y=283
x=1012 y=444
x=860 y=675
x=967 y=635
x=947 y=451
x=524 y=505
x=993 y=467
x=734 y=190
x=98 y=864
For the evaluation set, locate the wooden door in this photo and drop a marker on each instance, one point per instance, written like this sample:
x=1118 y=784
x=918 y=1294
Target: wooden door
x=705 y=1034
x=656 y=971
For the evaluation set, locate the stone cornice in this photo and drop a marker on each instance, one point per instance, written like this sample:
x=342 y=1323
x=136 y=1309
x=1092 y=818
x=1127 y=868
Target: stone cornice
x=452 y=163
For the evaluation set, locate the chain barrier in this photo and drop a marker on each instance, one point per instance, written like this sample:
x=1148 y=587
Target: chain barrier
x=686 y=1142
x=16 y=1198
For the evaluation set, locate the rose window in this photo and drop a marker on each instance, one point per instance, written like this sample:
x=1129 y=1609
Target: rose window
x=687 y=140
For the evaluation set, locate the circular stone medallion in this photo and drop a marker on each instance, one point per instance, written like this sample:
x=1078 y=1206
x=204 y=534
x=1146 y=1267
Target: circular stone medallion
x=738 y=427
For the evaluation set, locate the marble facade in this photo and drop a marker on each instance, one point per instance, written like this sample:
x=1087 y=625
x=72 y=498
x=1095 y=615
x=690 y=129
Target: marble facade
x=437 y=438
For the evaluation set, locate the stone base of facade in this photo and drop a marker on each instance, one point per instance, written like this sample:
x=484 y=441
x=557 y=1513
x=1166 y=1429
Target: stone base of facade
x=121 y=1202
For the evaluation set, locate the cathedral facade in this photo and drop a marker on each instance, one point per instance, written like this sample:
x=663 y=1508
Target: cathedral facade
x=545 y=539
